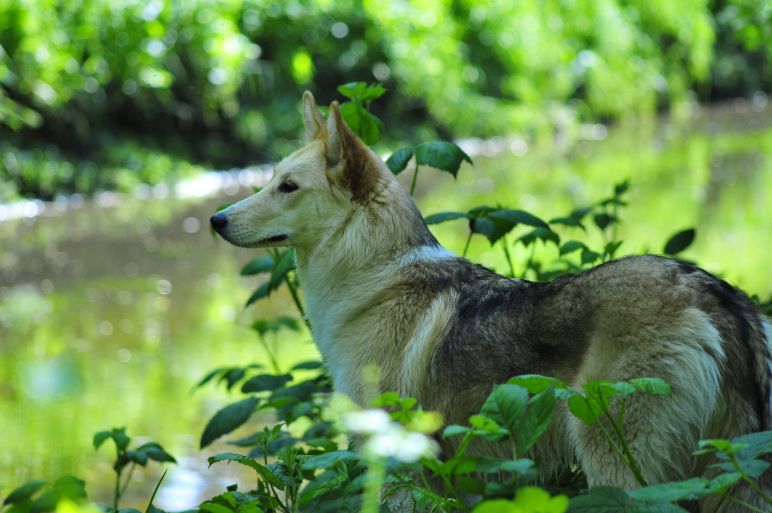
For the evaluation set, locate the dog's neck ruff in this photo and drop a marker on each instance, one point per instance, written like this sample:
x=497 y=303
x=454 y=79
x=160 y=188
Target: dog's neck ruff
x=426 y=253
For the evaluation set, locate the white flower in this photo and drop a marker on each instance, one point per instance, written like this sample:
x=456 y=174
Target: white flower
x=367 y=421
x=388 y=439
x=401 y=444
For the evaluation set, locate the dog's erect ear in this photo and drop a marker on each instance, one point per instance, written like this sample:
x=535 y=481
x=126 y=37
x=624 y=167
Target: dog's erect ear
x=335 y=129
x=359 y=173
x=311 y=117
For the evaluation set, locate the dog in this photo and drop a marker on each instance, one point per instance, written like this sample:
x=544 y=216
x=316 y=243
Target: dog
x=380 y=290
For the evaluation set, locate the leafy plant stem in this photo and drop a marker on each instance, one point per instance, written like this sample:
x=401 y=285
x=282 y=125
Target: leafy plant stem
x=128 y=478
x=155 y=491
x=748 y=480
x=415 y=179
x=376 y=474
x=117 y=491
x=625 y=453
x=296 y=299
x=466 y=245
x=505 y=245
x=743 y=503
x=269 y=352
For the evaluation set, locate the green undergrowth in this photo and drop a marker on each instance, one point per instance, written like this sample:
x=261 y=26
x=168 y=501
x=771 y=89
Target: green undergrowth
x=301 y=459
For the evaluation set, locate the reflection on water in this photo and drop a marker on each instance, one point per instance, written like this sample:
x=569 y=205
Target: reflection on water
x=110 y=313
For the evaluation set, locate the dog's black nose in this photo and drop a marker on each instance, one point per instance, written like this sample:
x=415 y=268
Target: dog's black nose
x=219 y=220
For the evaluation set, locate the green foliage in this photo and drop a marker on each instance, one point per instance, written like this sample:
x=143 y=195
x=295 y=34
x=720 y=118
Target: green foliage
x=128 y=459
x=229 y=74
x=40 y=496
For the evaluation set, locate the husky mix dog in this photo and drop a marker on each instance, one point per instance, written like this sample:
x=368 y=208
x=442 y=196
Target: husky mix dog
x=380 y=290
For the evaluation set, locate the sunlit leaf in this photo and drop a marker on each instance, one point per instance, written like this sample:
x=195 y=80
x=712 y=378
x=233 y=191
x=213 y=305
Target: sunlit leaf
x=505 y=405
x=442 y=155
x=397 y=161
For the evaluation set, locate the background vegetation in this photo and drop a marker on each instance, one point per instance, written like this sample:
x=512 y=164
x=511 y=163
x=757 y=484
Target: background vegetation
x=111 y=310
x=102 y=94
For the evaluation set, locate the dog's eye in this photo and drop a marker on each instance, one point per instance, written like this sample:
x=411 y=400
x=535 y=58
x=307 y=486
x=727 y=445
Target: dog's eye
x=287 y=186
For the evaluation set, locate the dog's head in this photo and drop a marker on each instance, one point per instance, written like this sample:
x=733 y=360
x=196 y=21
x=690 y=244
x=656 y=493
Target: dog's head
x=312 y=191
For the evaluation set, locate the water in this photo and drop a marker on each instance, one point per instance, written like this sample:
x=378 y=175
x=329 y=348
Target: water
x=111 y=312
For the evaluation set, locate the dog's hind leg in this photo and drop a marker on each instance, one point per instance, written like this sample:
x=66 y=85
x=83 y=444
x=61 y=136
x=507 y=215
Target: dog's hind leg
x=661 y=432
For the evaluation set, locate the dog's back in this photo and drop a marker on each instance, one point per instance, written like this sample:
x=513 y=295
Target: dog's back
x=629 y=318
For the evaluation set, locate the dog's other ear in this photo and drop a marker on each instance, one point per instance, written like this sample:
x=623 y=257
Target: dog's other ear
x=359 y=173
x=311 y=117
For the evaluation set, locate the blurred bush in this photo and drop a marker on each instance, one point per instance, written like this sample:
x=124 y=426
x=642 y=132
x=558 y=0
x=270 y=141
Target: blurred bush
x=219 y=81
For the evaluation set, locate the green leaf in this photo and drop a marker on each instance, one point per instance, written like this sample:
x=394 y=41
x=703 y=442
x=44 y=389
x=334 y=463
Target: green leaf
x=328 y=459
x=589 y=256
x=689 y=490
x=603 y=220
x=361 y=91
x=120 y=437
x=653 y=386
x=529 y=499
x=206 y=379
x=582 y=410
x=441 y=217
x=442 y=155
x=261 y=470
x=213 y=507
x=263 y=382
x=308 y=365
x=574 y=218
x=261 y=264
x=602 y=499
x=70 y=487
x=571 y=246
x=539 y=233
x=284 y=264
x=506 y=405
x=228 y=419
x=753 y=468
x=232 y=376
x=536 y=383
x=611 y=247
x=454 y=430
x=541 y=408
x=155 y=452
x=756 y=444
x=361 y=122
x=518 y=217
x=262 y=291
x=100 y=437
x=397 y=161
x=352 y=90
x=24 y=492
x=680 y=241
x=521 y=467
